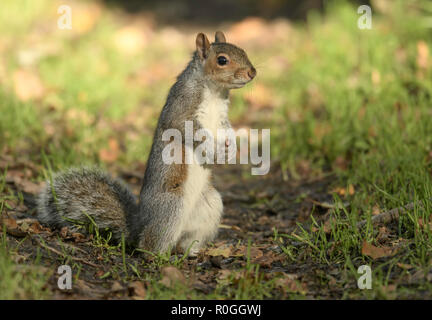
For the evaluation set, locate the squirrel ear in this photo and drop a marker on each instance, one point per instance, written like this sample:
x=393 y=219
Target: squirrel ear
x=220 y=37
x=202 y=45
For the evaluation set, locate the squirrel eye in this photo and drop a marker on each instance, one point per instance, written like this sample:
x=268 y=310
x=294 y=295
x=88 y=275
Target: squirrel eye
x=222 y=60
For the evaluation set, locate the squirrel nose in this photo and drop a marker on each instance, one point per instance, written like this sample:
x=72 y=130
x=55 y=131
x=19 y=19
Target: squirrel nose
x=252 y=73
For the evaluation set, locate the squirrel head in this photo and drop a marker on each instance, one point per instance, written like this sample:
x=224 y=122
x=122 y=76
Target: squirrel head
x=225 y=64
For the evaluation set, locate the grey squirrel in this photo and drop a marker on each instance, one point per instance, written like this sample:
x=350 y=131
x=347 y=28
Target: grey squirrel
x=178 y=206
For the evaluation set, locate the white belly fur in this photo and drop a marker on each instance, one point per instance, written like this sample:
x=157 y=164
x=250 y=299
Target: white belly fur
x=212 y=111
x=210 y=114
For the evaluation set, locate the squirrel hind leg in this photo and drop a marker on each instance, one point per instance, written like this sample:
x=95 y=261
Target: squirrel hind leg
x=204 y=226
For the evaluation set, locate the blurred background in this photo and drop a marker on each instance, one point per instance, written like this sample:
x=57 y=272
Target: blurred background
x=350 y=113
x=337 y=98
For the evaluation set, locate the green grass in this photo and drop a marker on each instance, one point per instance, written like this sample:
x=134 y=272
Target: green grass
x=20 y=281
x=345 y=95
x=383 y=130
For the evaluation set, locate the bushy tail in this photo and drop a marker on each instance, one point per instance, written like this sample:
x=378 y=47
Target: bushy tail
x=71 y=197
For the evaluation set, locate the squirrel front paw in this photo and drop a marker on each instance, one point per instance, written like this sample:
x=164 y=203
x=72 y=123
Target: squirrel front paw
x=228 y=150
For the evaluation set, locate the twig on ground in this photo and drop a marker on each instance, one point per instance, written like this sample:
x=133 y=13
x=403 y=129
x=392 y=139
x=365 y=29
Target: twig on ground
x=391 y=215
x=62 y=254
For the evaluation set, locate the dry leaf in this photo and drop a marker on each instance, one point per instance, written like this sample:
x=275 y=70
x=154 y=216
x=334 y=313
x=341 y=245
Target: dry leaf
x=290 y=283
x=376 y=252
x=116 y=286
x=78 y=237
x=404 y=266
x=137 y=290
x=345 y=191
x=64 y=232
x=267 y=259
x=171 y=276
x=12 y=227
x=255 y=253
x=224 y=251
x=376 y=210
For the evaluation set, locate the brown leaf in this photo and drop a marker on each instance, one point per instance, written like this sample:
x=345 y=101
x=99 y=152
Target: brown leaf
x=171 y=276
x=12 y=227
x=376 y=210
x=404 y=266
x=224 y=274
x=78 y=237
x=267 y=259
x=30 y=187
x=137 y=290
x=35 y=227
x=99 y=273
x=224 y=251
x=376 y=252
x=116 y=286
x=289 y=282
x=341 y=163
x=255 y=253
x=345 y=191
x=64 y=232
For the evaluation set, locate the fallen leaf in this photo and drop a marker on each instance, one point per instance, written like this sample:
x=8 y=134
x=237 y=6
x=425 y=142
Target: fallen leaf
x=99 y=273
x=376 y=252
x=376 y=210
x=224 y=274
x=78 y=237
x=345 y=191
x=12 y=227
x=137 y=290
x=404 y=266
x=289 y=282
x=255 y=253
x=220 y=251
x=266 y=260
x=64 y=232
x=171 y=276
x=116 y=286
